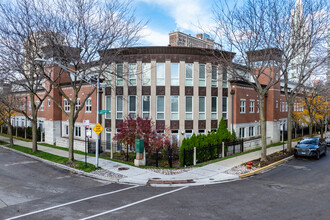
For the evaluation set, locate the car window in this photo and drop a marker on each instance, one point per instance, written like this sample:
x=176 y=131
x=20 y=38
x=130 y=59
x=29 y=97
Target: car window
x=309 y=141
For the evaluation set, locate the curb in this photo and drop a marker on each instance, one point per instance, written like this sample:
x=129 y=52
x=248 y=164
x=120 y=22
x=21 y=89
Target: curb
x=72 y=170
x=265 y=167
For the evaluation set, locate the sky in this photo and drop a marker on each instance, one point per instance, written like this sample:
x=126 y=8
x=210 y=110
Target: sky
x=166 y=16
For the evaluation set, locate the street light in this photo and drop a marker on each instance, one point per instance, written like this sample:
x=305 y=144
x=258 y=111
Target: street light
x=89 y=81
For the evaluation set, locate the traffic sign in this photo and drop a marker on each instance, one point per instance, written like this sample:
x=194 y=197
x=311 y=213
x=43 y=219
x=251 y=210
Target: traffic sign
x=98 y=128
x=86 y=123
x=88 y=133
x=102 y=112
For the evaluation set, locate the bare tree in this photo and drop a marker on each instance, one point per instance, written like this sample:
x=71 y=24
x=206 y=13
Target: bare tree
x=87 y=29
x=21 y=38
x=268 y=36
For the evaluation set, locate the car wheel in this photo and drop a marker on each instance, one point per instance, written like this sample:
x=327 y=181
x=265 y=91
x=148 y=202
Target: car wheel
x=317 y=156
x=295 y=155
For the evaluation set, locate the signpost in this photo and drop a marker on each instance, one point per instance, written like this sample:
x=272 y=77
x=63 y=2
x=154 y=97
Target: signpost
x=102 y=112
x=98 y=128
x=282 y=130
x=86 y=125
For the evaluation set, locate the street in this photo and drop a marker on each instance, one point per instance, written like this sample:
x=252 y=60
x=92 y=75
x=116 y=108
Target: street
x=30 y=189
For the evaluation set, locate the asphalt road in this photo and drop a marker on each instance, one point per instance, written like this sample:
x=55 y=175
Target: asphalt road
x=299 y=189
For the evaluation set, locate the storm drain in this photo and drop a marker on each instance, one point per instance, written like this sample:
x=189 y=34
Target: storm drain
x=169 y=181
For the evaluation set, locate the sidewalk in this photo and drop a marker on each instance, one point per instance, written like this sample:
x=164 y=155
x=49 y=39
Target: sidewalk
x=209 y=174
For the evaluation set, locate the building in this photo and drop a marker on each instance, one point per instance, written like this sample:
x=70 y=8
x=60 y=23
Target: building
x=179 y=39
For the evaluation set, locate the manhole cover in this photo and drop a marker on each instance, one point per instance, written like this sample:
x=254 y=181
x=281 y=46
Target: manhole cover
x=123 y=168
x=277 y=187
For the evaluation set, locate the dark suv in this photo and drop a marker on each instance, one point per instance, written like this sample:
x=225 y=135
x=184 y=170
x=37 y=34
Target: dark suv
x=311 y=147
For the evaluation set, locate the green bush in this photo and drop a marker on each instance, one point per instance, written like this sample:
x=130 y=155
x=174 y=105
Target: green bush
x=202 y=142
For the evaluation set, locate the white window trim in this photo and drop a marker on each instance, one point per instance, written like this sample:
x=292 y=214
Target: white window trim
x=132 y=76
x=199 y=77
x=178 y=108
x=160 y=78
x=251 y=102
x=192 y=108
x=192 y=74
x=129 y=105
x=88 y=106
x=77 y=104
x=146 y=112
x=122 y=107
x=240 y=106
x=178 y=78
x=146 y=68
x=107 y=115
x=216 y=112
x=119 y=80
x=225 y=112
x=157 y=110
x=214 y=82
x=204 y=112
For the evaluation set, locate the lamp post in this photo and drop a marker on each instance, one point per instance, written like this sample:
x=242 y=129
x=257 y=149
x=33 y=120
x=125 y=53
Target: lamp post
x=97 y=97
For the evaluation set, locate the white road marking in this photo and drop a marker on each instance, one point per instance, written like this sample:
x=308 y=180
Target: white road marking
x=19 y=163
x=134 y=203
x=69 y=203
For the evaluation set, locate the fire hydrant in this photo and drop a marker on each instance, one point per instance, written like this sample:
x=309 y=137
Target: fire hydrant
x=249 y=164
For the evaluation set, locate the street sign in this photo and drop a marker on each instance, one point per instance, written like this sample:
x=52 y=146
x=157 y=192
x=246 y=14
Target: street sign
x=88 y=133
x=86 y=123
x=98 y=128
x=102 y=112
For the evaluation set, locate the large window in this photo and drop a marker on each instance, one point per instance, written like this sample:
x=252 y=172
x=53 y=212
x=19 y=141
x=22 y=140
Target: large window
x=251 y=131
x=224 y=107
x=132 y=74
x=88 y=106
x=214 y=107
x=108 y=139
x=146 y=74
x=108 y=75
x=242 y=106
x=258 y=102
x=160 y=108
x=189 y=108
x=108 y=106
x=251 y=109
x=201 y=114
x=119 y=74
x=132 y=106
x=30 y=105
x=189 y=74
x=174 y=107
x=78 y=104
x=224 y=78
x=242 y=132
x=174 y=74
x=77 y=131
x=146 y=107
x=214 y=78
x=160 y=74
x=66 y=106
x=202 y=75
x=119 y=107
x=42 y=106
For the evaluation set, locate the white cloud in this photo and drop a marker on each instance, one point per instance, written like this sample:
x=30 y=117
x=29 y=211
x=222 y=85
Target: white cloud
x=189 y=15
x=155 y=38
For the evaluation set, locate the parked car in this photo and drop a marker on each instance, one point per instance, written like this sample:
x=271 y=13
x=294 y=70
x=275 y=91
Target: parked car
x=327 y=140
x=311 y=147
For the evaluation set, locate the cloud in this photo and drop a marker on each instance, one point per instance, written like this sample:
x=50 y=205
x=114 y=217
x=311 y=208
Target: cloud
x=155 y=38
x=189 y=15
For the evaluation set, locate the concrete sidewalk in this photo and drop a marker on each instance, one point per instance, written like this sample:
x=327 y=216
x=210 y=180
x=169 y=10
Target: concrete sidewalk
x=209 y=174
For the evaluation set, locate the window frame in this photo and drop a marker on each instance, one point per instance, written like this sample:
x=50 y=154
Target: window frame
x=201 y=80
x=225 y=110
x=143 y=111
x=122 y=107
x=108 y=106
x=175 y=113
x=119 y=75
x=189 y=81
x=130 y=112
x=158 y=112
x=214 y=81
x=214 y=114
x=242 y=108
x=160 y=81
x=251 y=106
x=88 y=105
x=175 y=81
x=189 y=115
x=201 y=114
x=146 y=74
x=132 y=74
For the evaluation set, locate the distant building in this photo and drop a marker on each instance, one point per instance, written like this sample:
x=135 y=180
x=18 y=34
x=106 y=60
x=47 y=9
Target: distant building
x=179 y=39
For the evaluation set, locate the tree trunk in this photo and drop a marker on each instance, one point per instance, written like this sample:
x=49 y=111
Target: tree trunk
x=310 y=130
x=10 y=133
x=71 y=136
x=263 y=130
x=34 y=134
x=321 y=123
x=289 y=123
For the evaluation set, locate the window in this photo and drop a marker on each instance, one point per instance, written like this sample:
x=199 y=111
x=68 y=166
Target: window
x=22 y=122
x=224 y=78
x=66 y=129
x=88 y=107
x=224 y=107
x=160 y=74
x=48 y=102
x=251 y=109
x=119 y=74
x=214 y=107
x=295 y=107
x=251 y=131
x=201 y=115
x=189 y=108
x=242 y=132
x=132 y=106
x=42 y=106
x=189 y=74
x=188 y=133
x=78 y=104
x=132 y=74
x=108 y=106
x=108 y=75
x=286 y=107
x=108 y=139
x=214 y=78
x=77 y=131
x=119 y=107
x=276 y=104
x=202 y=75
x=37 y=104
x=258 y=130
x=146 y=74
x=29 y=105
x=174 y=74
x=160 y=108
x=175 y=137
x=23 y=107
x=174 y=107
x=146 y=107
x=258 y=103
x=242 y=106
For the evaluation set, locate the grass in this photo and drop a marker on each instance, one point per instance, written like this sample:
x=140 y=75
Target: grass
x=65 y=149
x=3 y=142
x=57 y=159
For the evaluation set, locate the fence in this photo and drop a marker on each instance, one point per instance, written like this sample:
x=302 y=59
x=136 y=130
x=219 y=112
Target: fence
x=202 y=154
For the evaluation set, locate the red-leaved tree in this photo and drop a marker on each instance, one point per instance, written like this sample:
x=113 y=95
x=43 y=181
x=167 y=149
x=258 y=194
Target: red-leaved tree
x=131 y=129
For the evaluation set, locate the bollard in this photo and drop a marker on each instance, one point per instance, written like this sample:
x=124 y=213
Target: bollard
x=223 y=149
x=194 y=155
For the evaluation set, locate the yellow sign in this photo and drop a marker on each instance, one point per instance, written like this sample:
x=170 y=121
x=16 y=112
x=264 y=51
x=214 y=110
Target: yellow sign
x=98 y=128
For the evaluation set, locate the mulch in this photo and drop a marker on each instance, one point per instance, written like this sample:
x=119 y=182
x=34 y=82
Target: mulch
x=272 y=158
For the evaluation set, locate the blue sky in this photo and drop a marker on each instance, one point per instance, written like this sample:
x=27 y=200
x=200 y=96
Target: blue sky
x=166 y=16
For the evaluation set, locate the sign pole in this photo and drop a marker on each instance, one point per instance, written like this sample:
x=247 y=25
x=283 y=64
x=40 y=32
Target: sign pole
x=97 y=121
x=85 y=148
